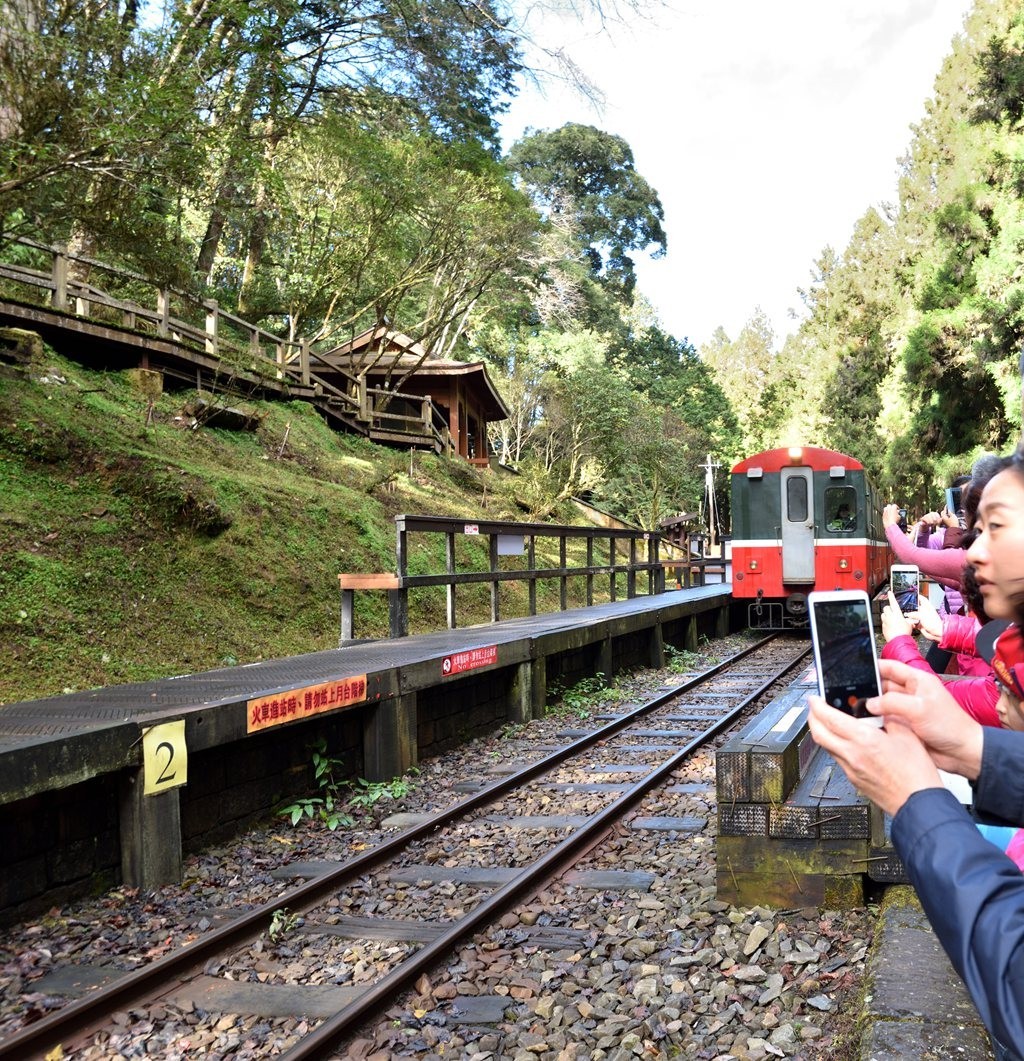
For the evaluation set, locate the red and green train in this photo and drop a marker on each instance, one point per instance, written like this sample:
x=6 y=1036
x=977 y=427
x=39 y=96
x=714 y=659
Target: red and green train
x=803 y=519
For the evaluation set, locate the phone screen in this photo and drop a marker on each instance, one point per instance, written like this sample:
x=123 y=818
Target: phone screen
x=844 y=653
x=954 y=500
x=904 y=583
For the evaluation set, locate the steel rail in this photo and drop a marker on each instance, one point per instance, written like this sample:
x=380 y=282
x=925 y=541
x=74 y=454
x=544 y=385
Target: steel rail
x=44 y=1035
x=548 y=866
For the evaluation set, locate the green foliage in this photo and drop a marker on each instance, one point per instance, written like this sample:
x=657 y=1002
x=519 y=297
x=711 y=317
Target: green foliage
x=134 y=554
x=282 y=924
x=581 y=699
x=369 y=793
x=589 y=176
x=680 y=660
x=326 y=807
x=1000 y=87
x=338 y=795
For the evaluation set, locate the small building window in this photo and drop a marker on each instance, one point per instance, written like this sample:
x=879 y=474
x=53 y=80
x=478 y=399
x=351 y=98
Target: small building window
x=841 y=509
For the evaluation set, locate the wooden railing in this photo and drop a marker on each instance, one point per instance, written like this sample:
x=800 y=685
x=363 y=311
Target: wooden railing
x=694 y=568
x=130 y=300
x=382 y=410
x=638 y=557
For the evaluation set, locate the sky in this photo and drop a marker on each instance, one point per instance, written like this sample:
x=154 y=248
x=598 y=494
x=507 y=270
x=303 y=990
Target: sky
x=767 y=129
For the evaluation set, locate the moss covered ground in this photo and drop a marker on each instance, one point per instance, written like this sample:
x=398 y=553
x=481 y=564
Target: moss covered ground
x=135 y=544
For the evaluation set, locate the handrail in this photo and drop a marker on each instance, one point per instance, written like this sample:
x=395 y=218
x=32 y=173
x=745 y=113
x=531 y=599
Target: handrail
x=508 y=538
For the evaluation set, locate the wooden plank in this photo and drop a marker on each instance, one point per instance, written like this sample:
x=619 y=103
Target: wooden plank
x=265 y=1000
x=390 y=928
x=372 y=581
x=758 y=870
x=668 y=825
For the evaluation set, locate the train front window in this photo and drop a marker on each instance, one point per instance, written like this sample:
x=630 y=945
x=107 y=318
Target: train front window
x=796 y=499
x=841 y=509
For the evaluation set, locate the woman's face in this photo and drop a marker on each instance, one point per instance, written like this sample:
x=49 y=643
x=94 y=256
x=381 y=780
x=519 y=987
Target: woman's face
x=998 y=552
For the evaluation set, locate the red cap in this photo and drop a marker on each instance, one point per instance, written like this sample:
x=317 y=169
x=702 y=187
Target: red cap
x=1002 y=645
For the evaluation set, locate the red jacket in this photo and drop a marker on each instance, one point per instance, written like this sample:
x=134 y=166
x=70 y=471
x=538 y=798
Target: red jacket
x=958 y=635
x=976 y=695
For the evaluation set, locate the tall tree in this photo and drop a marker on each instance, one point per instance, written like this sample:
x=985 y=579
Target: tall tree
x=590 y=175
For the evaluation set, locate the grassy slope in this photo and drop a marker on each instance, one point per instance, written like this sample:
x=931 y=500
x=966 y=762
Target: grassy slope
x=130 y=552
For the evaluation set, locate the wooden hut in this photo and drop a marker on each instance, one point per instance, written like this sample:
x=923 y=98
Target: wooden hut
x=462 y=391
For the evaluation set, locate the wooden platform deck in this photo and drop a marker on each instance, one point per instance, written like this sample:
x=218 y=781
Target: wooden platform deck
x=239 y=737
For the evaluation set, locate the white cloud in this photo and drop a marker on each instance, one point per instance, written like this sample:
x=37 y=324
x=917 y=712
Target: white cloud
x=767 y=129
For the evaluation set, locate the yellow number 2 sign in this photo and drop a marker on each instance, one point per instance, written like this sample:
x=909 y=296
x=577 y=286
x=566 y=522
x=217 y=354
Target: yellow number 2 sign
x=164 y=757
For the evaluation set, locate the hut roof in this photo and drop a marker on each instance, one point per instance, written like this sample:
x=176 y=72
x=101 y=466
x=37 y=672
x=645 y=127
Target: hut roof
x=403 y=354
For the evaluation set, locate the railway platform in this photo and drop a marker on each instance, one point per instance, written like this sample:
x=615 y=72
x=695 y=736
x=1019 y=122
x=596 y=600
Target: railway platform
x=111 y=785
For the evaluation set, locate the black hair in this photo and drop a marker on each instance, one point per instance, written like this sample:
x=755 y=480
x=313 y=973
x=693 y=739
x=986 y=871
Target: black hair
x=960 y=480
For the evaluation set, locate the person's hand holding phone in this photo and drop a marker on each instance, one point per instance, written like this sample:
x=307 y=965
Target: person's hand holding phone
x=894 y=622
x=918 y=699
x=929 y=622
x=890 y=515
x=886 y=765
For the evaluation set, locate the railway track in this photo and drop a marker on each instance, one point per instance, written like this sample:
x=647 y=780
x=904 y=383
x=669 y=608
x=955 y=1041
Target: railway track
x=459 y=865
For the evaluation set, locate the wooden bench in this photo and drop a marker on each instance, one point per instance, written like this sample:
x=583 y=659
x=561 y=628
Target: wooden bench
x=348 y=583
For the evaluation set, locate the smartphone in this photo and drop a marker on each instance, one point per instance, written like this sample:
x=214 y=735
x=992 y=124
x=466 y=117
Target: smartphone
x=905 y=583
x=843 y=638
x=954 y=500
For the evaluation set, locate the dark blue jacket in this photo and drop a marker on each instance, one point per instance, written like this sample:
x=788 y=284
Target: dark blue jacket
x=972 y=893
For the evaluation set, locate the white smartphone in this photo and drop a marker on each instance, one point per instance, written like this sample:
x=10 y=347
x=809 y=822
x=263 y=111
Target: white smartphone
x=844 y=649
x=905 y=583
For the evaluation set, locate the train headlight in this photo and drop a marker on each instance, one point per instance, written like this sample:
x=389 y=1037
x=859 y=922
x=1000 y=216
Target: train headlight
x=795 y=453
x=844 y=564
x=754 y=565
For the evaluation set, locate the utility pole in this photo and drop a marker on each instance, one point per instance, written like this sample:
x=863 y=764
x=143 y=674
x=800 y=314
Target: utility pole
x=709 y=498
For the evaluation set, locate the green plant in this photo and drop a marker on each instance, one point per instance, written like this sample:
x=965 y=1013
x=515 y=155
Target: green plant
x=282 y=922
x=679 y=660
x=580 y=699
x=512 y=729
x=369 y=793
x=325 y=807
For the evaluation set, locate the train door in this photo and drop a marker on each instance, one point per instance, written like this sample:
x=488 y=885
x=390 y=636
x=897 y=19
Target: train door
x=797 y=525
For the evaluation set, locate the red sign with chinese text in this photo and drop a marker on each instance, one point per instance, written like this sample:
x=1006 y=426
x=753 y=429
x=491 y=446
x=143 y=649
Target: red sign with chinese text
x=469 y=660
x=301 y=703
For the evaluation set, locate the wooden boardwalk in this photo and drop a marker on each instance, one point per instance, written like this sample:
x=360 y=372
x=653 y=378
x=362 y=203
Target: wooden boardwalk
x=132 y=322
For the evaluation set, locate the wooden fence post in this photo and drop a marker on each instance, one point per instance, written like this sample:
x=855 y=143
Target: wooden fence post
x=590 y=574
x=212 y=325
x=304 y=361
x=163 y=308
x=563 y=582
x=398 y=599
x=59 y=295
x=449 y=557
x=364 y=401
x=492 y=556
